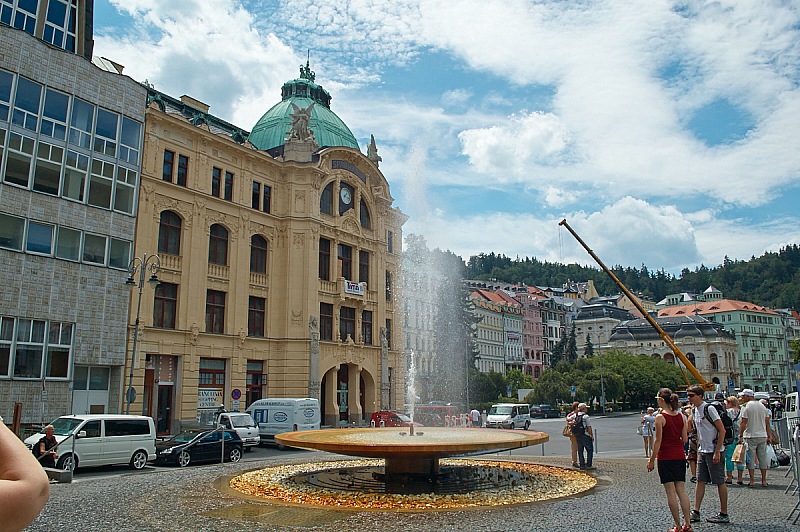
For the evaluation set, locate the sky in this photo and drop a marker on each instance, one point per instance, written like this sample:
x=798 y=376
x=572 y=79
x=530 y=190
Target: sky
x=665 y=133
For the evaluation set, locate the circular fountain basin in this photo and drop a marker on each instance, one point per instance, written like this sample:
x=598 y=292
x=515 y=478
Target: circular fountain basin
x=407 y=454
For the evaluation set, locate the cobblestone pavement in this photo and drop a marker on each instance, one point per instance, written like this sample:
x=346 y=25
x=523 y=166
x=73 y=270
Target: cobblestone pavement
x=627 y=498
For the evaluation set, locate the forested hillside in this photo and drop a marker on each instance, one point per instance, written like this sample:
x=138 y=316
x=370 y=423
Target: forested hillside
x=772 y=280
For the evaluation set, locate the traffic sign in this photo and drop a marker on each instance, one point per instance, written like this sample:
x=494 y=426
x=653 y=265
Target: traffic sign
x=572 y=390
x=236 y=394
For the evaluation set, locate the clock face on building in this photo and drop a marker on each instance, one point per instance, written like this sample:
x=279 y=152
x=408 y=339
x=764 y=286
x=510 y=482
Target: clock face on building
x=345 y=195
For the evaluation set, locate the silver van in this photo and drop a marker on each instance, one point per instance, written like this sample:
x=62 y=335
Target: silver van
x=509 y=416
x=102 y=439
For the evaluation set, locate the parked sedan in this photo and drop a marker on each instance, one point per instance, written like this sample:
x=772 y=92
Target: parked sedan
x=193 y=446
x=391 y=419
x=544 y=411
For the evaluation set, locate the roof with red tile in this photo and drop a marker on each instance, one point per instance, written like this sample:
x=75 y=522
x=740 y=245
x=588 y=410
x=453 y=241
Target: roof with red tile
x=714 y=307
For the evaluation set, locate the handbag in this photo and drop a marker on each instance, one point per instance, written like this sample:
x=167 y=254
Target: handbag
x=739 y=454
x=783 y=457
x=772 y=457
x=639 y=430
x=567 y=431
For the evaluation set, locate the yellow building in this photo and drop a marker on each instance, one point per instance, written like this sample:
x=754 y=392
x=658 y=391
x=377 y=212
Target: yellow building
x=279 y=252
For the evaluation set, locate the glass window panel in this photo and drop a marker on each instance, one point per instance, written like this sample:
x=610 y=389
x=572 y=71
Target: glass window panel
x=119 y=254
x=47 y=173
x=26 y=103
x=5 y=356
x=75 y=171
x=100 y=184
x=125 y=190
x=6 y=80
x=56 y=12
x=12 y=230
x=80 y=378
x=6 y=329
x=106 y=132
x=40 y=238
x=66 y=334
x=80 y=130
x=98 y=378
x=129 y=140
x=54 y=117
x=57 y=364
x=28 y=361
x=94 y=249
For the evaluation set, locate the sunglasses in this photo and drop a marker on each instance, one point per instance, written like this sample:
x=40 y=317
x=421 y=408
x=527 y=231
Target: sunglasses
x=691 y=394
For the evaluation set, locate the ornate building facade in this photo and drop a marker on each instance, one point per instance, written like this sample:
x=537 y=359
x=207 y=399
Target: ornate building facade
x=280 y=254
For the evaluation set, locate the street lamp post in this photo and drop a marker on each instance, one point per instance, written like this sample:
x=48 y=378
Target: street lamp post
x=140 y=266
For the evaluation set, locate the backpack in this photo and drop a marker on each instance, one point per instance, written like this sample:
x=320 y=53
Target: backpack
x=727 y=422
x=36 y=450
x=578 y=428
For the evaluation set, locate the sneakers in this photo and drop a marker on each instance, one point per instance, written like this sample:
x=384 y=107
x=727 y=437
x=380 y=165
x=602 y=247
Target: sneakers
x=575 y=464
x=693 y=479
x=719 y=518
x=694 y=517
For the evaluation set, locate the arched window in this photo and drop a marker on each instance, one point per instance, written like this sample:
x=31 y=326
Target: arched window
x=714 y=361
x=169 y=233
x=326 y=200
x=218 y=245
x=258 y=254
x=690 y=356
x=536 y=372
x=366 y=222
x=669 y=357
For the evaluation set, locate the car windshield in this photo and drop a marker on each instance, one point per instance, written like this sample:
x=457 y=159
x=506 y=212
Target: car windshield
x=402 y=417
x=65 y=425
x=185 y=437
x=245 y=420
x=500 y=410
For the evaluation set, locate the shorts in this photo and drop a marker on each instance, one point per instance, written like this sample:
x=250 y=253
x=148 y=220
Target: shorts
x=672 y=471
x=709 y=472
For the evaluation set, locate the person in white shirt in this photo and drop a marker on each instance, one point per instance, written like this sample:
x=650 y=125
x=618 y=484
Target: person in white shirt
x=710 y=459
x=475 y=417
x=755 y=431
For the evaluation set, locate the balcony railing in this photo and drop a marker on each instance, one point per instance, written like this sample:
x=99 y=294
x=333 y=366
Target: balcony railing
x=259 y=279
x=171 y=262
x=217 y=271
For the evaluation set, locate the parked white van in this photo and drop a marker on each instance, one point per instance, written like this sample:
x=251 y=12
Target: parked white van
x=244 y=425
x=276 y=416
x=790 y=405
x=103 y=439
x=509 y=416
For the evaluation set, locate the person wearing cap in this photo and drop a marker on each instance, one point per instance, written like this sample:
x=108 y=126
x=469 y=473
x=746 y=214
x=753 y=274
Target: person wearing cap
x=755 y=432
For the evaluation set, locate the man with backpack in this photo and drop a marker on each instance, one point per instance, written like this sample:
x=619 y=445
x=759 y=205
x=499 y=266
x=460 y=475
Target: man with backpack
x=582 y=430
x=711 y=434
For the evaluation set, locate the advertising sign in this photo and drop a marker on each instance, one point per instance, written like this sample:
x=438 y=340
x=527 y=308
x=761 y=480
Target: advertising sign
x=209 y=398
x=350 y=287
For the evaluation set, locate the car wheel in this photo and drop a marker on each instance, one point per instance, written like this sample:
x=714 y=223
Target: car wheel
x=67 y=463
x=184 y=459
x=138 y=460
x=527 y=425
x=235 y=454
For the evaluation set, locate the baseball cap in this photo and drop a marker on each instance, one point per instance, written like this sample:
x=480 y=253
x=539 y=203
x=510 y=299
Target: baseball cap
x=748 y=392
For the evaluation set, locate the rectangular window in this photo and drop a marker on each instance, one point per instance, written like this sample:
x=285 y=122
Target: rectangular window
x=388 y=334
x=6 y=339
x=169 y=162
x=183 y=170
x=23 y=18
x=363 y=266
x=212 y=372
x=75 y=170
x=215 y=312
x=216 y=181
x=59 y=28
x=326 y=322
x=389 y=242
x=366 y=327
x=324 y=259
x=29 y=349
x=129 y=140
x=228 y=186
x=388 y=285
x=94 y=249
x=256 y=316
x=54 y=115
x=165 y=305
x=346 y=257
x=125 y=190
x=80 y=125
x=68 y=244
x=255 y=201
x=347 y=323
x=255 y=381
x=26 y=104
x=12 y=231
x=105 y=133
x=59 y=348
x=101 y=181
x=47 y=173
x=6 y=82
x=119 y=254
x=40 y=238
x=18 y=162
x=267 y=204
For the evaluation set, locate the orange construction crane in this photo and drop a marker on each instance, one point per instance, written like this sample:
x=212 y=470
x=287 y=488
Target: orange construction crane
x=707 y=386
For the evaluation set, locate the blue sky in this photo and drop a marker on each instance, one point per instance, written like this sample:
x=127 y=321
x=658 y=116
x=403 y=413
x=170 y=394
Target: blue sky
x=666 y=133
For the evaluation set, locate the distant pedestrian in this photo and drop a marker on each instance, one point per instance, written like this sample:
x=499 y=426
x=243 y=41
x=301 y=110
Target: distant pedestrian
x=573 y=442
x=756 y=433
x=648 y=430
x=710 y=461
x=671 y=433
x=475 y=416
x=47 y=444
x=582 y=429
x=735 y=413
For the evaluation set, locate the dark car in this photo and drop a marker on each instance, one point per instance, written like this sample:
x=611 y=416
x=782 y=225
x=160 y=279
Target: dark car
x=544 y=411
x=391 y=419
x=193 y=446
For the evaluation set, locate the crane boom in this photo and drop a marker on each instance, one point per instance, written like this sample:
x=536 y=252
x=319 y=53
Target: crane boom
x=661 y=332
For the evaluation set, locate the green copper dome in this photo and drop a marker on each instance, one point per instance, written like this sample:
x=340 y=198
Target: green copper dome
x=271 y=130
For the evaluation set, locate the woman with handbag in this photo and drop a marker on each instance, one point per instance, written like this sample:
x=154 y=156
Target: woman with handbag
x=672 y=432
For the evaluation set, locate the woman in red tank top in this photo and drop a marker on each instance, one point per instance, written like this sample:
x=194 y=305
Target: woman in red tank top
x=671 y=434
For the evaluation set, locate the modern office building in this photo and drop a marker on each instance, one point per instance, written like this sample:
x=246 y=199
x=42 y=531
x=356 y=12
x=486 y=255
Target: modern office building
x=70 y=145
x=279 y=254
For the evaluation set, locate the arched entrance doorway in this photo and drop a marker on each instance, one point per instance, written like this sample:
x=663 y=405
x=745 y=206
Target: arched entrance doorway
x=347 y=395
